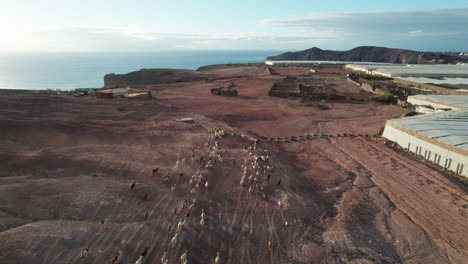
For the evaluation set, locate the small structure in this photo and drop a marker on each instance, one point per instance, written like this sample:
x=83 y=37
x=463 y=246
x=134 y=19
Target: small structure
x=138 y=95
x=185 y=120
x=224 y=91
x=127 y=93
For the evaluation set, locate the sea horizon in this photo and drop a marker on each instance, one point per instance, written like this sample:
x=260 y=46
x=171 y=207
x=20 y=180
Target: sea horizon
x=71 y=70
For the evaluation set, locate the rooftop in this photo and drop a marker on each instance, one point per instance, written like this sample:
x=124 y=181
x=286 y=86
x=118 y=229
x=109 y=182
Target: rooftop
x=420 y=69
x=448 y=127
x=324 y=62
x=458 y=101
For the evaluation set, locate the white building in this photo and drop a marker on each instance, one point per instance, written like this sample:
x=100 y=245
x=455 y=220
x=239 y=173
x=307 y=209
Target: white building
x=439 y=137
x=413 y=70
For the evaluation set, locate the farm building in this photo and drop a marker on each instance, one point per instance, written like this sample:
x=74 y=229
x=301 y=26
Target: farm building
x=440 y=137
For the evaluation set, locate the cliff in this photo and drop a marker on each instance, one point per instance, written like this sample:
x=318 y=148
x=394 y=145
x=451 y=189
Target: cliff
x=372 y=54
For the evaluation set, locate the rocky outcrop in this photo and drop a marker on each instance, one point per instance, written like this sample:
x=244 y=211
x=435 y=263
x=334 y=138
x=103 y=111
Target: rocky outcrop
x=372 y=54
x=153 y=76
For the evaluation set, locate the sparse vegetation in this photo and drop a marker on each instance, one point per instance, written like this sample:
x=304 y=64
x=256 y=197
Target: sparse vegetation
x=385 y=97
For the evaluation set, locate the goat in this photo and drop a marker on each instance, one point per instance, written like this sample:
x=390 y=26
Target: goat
x=84 y=252
x=115 y=258
x=279 y=183
x=140 y=260
x=217 y=258
x=183 y=257
x=155 y=170
x=174 y=240
x=133 y=185
x=164 y=258
x=144 y=253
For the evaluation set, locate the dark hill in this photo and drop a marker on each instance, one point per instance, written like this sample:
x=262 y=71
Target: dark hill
x=372 y=54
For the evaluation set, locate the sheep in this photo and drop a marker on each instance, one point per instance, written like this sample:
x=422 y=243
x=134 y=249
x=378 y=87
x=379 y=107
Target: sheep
x=217 y=258
x=206 y=185
x=286 y=223
x=173 y=188
x=270 y=244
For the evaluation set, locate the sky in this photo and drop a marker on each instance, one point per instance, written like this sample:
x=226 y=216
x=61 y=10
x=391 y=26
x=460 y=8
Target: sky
x=154 y=25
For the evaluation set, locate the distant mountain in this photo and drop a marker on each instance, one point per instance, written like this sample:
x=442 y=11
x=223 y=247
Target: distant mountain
x=373 y=54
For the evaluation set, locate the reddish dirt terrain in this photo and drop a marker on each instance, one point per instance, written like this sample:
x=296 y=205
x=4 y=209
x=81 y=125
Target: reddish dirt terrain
x=68 y=165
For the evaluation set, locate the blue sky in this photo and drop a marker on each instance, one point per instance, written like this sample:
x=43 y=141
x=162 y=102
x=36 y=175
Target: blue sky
x=154 y=25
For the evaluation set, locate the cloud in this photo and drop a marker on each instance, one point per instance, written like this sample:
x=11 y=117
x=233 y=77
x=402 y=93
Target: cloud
x=436 y=29
x=114 y=39
x=439 y=29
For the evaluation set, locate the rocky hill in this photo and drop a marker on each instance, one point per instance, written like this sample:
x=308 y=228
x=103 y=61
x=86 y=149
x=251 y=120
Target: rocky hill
x=372 y=54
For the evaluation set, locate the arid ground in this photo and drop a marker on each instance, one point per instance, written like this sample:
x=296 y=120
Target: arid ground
x=68 y=165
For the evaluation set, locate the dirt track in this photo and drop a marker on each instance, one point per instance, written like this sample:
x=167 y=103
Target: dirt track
x=67 y=165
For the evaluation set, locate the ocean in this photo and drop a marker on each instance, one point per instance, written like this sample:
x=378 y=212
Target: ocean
x=66 y=71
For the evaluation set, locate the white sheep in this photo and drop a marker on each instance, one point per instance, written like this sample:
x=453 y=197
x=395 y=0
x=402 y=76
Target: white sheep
x=217 y=258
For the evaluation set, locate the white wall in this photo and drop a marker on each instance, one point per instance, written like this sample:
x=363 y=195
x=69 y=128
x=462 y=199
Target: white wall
x=438 y=155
